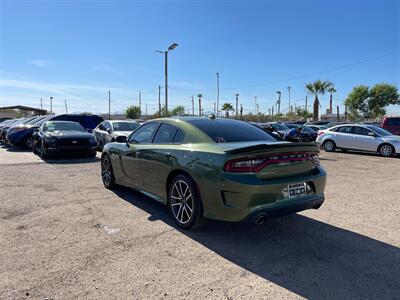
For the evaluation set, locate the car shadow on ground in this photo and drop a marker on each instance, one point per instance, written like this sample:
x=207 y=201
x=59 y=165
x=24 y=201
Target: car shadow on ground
x=308 y=257
x=10 y=148
x=66 y=160
x=356 y=153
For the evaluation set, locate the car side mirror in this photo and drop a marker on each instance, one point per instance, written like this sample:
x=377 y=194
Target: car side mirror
x=109 y=130
x=121 y=139
x=372 y=134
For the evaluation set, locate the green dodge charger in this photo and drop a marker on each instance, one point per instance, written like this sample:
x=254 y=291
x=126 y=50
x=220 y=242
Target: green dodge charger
x=211 y=168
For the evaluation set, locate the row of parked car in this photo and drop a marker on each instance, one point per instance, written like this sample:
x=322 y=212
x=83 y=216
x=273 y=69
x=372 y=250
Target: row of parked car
x=64 y=134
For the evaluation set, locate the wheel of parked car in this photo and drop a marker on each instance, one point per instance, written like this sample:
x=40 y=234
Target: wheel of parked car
x=185 y=203
x=107 y=173
x=29 y=142
x=386 y=150
x=329 y=146
x=43 y=152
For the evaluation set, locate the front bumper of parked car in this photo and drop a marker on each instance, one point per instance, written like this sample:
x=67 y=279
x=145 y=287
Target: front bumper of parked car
x=239 y=201
x=56 y=146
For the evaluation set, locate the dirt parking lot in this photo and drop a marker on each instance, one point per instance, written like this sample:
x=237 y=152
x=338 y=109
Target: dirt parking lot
x=63 y=235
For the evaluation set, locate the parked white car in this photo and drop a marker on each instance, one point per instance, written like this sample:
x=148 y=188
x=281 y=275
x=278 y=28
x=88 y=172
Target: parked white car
x=359 y=137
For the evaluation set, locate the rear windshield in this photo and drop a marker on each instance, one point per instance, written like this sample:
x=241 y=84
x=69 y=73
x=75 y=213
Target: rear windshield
x=229 y=131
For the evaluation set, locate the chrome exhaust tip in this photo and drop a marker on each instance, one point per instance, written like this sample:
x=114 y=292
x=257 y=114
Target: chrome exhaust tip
x=260 y=219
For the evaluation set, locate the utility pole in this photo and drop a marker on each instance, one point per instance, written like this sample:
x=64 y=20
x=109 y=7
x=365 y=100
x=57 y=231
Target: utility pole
x=272 y=111
x=255 y=105
x=41 y=103
x=159 y=101
x=192 y=105
x=109 y=105
x=269 y=112
x=140 y=101
x=279 y=101
x=217 y=93
x=241 y=111
x=199 y=106
x=337 y=113
x=290 y=110
x=237 y=103
x=51 y=105
x=146 y=109
x=66 y=107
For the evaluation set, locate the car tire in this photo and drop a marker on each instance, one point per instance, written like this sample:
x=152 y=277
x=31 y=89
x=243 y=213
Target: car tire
x=43 y=152
x=329 y=146
x=28 y=142
x=107 y=173
x=184 y=203
x=386 y=150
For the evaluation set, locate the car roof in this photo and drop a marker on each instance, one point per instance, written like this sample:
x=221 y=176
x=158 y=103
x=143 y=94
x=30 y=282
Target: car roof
x=115 y=121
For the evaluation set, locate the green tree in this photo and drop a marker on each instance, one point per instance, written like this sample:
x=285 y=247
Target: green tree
x=318 y=87
x=179 y=110
x=357 y=102
x=380 y=96
x=227 y=107
x=133 y=112
x=331 y=90
x=302 y=113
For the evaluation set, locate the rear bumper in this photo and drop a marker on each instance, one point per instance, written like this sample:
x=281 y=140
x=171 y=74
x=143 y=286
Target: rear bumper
x=314 y=202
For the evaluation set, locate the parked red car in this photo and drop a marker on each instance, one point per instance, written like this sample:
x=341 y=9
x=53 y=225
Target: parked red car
x=391 y=124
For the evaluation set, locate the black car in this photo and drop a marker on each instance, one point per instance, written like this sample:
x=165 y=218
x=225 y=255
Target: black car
x=307 y=134
x=63 y=137
x=109 y=131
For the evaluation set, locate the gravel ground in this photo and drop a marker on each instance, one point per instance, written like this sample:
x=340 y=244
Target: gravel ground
x=63 y=235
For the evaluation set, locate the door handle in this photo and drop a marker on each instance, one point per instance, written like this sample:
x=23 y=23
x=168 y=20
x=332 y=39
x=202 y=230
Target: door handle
x=138 y=154
x=167 y=155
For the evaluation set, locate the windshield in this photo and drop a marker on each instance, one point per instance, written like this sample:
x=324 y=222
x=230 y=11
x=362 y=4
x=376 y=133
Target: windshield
x=63 y=126
x=228 y=131
x=125 y=126
x=379 y=131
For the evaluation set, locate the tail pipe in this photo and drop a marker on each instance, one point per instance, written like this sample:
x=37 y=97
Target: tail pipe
x=260 y=219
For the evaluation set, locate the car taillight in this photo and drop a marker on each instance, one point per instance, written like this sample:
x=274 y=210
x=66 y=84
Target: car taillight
x=256 y=164
x=321 y=132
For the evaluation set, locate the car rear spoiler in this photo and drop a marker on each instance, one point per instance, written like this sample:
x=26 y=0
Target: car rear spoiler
x=311 y=146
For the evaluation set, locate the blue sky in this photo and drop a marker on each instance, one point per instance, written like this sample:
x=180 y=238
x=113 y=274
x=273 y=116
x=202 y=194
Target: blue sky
x=78 y=50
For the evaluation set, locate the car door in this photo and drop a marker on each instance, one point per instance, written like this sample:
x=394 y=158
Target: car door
x=362 y=140
x=158 y=159
x=98 y=132
x=344 y=137
x=131 y=158
x=107 y=138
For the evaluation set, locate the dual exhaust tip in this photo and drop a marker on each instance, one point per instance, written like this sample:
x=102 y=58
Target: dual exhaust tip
x=260 y=219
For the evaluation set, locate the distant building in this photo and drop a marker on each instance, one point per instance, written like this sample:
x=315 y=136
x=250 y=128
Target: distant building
x=20 y=111
x=333 y=117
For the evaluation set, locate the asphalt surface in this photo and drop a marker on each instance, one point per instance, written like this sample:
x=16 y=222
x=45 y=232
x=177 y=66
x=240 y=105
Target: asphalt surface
x=63 y=235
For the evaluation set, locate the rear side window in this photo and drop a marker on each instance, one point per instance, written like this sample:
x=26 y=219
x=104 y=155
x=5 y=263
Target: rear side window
x=227 y=131
x=179 y=136
x=165 y=134
x=344 y=129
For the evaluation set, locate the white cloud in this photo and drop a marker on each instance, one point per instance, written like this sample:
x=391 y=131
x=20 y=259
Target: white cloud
x=39 y=63
x=106 y=68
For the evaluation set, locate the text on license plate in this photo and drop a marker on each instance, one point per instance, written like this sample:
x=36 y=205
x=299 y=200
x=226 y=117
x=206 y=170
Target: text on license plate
x=297 y=189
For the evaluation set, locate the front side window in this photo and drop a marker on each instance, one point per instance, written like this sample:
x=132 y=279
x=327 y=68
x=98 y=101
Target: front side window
x=143 y=134
x=165 y=134
x=125 y=126
x=361 y=130
x=107 y=126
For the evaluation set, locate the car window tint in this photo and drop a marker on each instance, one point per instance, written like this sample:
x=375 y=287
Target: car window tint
x=360 y=130
x=165 y=134
x=393 y=122
x=227 y=130
x=144 y=133
x=344 y=129
x=179 y=136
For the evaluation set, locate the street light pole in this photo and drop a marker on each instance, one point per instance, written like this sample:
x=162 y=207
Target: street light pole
x=237 y=104
x=159 y=101
x=290 y=109
x=170 y=48
x=279 y=101
x=109 y=105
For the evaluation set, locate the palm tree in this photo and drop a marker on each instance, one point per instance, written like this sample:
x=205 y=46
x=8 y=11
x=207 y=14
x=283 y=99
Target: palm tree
x=227 y=107
x=316 y=88
x=331 y=90
x=199 y=96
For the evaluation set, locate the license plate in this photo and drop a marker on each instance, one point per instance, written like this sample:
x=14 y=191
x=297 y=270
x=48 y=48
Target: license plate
x=297 y=189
